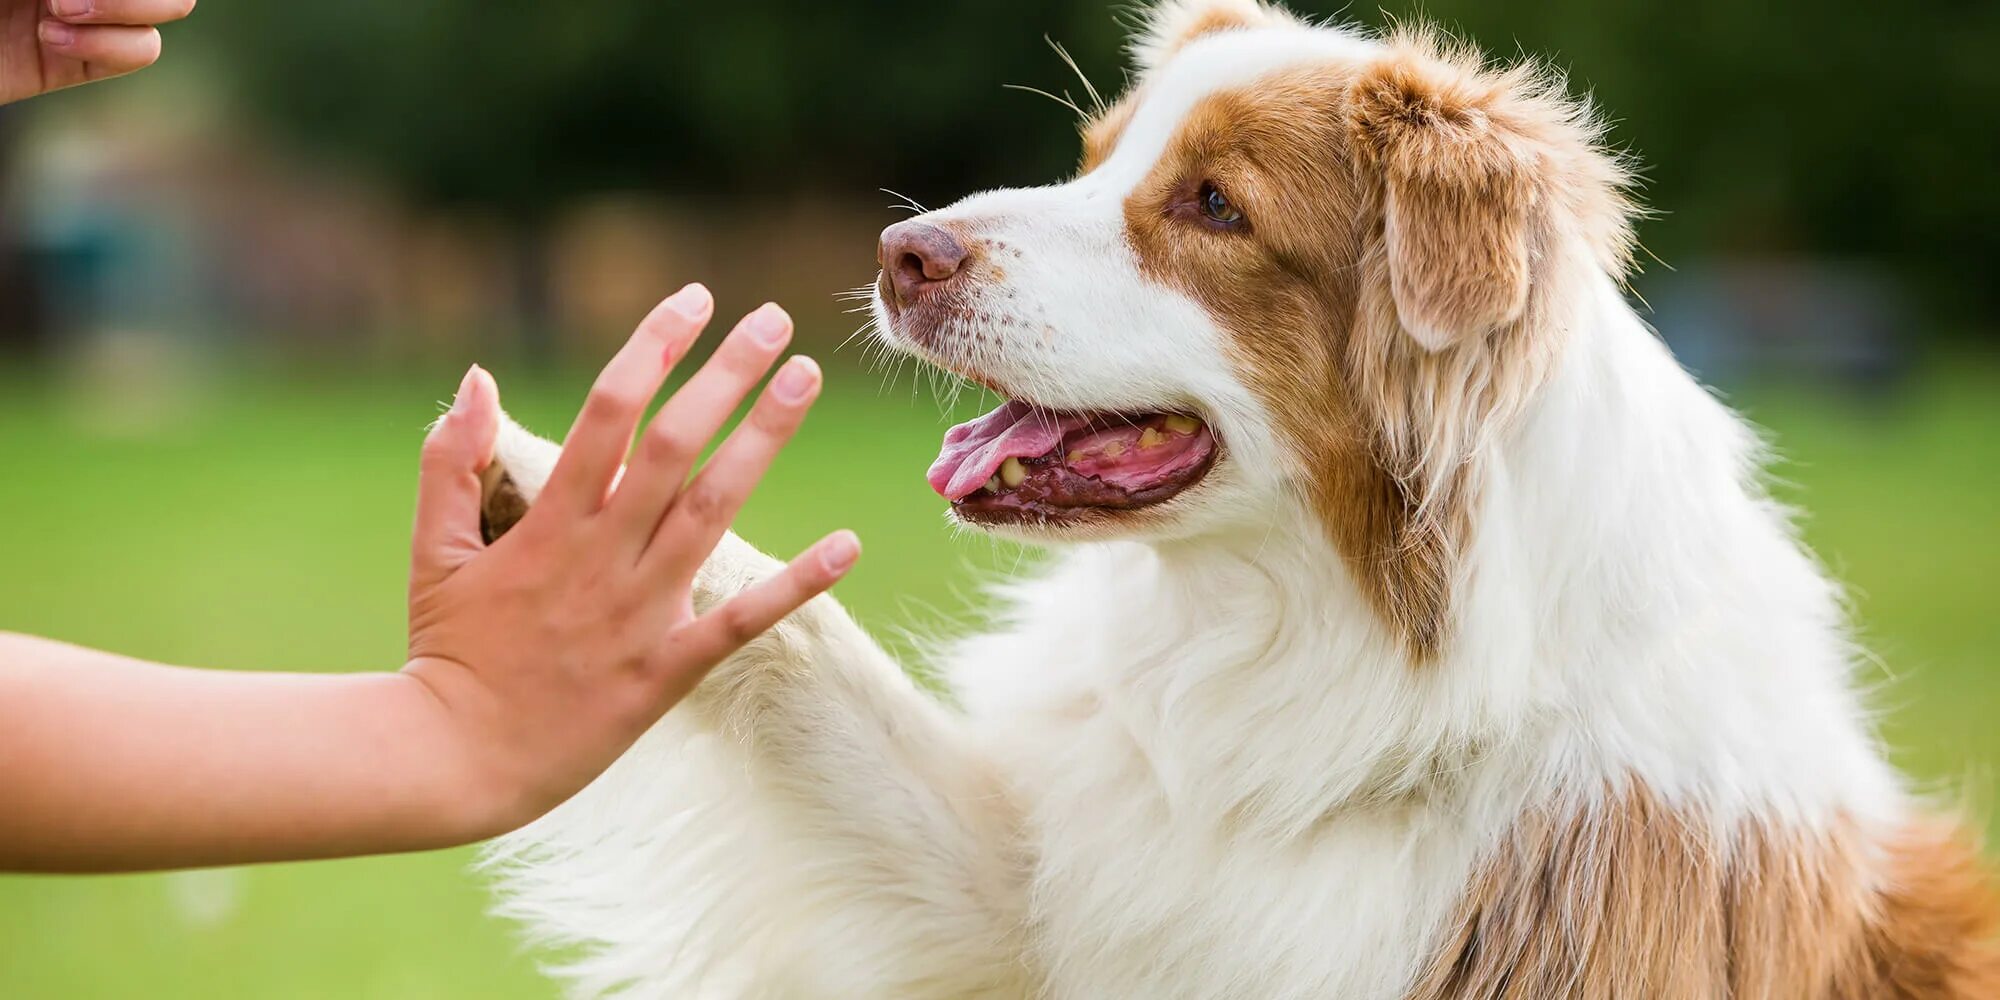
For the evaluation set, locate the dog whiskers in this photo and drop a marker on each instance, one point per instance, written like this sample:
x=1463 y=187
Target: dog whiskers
x=1063 y=100
x=1096 y=99
x=907 y=202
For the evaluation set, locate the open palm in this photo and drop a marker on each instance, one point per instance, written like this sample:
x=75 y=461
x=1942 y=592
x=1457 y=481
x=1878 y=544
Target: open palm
x=51 y=44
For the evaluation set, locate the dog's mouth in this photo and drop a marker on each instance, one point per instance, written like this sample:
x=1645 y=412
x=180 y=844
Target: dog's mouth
x=1023 y=462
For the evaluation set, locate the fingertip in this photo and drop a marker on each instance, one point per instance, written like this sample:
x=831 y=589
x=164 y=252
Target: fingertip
x=57 y=34
x=485 y=391
x=462 y=399
x=110 y=49
x=798 y=381
x=693 y=302
x=477 y=393
x=678 y=321
x=769 y=325
x=482 y=415
x=839 y=553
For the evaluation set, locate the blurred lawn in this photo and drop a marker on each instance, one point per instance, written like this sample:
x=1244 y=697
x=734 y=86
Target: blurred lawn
x=262 y=526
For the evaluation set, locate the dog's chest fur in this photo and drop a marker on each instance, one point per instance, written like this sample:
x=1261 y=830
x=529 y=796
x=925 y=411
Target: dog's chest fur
x=1128 y=903
x=1203 y=819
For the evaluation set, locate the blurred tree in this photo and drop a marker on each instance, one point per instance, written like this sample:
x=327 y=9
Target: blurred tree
x=1784 y=126
x=1793 y=126
x=524 y=103
x=20 y=329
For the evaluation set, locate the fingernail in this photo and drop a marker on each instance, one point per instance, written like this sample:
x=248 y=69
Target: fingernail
x=483 y=386
x=71 y=8
x=840 y=552
x=466 y=387
x=769 y=326
x=795 y=381
x=692 y=302
x=57 y=34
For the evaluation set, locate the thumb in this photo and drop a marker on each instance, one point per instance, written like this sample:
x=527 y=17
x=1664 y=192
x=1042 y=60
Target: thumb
x=458 y=448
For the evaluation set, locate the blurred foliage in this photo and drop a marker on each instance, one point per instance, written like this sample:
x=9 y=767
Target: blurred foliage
x=525 y=103
x=1785 y=127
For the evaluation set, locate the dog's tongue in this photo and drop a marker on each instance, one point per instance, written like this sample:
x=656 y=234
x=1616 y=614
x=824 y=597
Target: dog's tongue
x=973 y=451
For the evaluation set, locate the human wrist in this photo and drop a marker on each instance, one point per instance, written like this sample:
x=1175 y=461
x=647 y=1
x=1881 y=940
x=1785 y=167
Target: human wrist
x=464 y=792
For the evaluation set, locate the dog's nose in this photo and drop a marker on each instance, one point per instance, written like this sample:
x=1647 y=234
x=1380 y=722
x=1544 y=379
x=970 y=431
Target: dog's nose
x=918 y=257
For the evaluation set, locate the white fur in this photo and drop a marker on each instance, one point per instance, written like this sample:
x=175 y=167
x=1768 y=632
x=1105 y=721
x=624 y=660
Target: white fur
x=1196 y=765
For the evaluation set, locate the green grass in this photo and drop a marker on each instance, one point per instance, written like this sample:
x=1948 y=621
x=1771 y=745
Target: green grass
x=262 y=527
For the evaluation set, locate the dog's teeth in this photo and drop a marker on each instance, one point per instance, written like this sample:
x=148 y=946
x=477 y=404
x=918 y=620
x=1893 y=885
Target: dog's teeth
x=1150 y=438
x=1182 y=424
x=1114 y=449
x=1073 y=457
x=1012 y=472
x=993 y=485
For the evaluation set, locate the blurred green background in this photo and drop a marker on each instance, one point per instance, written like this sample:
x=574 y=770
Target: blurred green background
x=233 y=290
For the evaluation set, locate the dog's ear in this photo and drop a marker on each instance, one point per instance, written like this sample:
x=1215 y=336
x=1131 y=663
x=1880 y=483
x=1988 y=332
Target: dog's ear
x=511 y=482
x=1169 y=25
x=1477 y=171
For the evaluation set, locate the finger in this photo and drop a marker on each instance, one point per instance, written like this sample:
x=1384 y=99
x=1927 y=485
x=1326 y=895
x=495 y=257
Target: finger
x=602 y=433
x=710 y=504
x=81 y=53
x=723 y=631
x=457 y=450
x=688 y=421
x=120 y=11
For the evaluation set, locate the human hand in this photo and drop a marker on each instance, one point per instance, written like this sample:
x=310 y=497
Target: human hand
x=47 y=45
x=556 y=647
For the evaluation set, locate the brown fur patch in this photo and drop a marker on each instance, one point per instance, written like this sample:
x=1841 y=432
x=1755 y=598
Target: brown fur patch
x=1455 y=198
x=1396 y=289
x=1936 y=929
x=1630 y=898
x=1479 y=169
x=1285 y=287
x=1103 y=130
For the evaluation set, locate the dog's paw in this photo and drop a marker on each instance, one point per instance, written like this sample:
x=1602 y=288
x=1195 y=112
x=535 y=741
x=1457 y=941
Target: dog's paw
x=521 y=465
x=513 y=479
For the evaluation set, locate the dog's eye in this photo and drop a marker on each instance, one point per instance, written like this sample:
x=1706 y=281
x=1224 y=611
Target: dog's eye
x=1216 y=206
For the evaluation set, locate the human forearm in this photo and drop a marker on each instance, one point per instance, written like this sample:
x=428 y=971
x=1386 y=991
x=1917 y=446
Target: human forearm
x=109 y=763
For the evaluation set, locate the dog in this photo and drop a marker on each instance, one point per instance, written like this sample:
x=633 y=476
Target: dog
x=1419 y=629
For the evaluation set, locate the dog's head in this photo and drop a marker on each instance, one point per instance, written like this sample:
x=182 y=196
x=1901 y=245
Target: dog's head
x=1299 y=265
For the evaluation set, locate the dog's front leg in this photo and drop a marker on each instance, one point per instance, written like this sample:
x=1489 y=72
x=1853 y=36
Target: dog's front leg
x=808 y=823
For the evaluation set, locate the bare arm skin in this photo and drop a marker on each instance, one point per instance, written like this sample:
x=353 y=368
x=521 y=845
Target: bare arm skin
x=109 y=763
x=533 y=662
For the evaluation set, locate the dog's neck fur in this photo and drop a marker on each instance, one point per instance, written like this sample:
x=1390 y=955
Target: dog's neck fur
x=1630 y=604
